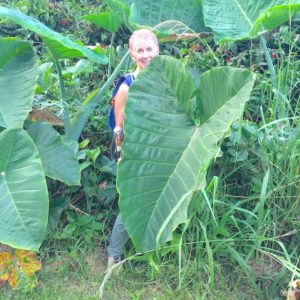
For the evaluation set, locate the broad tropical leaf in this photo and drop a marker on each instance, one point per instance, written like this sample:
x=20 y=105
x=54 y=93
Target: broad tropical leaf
x=18 y=74
x=243 y=19
x=165 y=156
x=107 y=20
x=122 y=9
x=83 y=66
x=58 y=159
x=23 y=191
x=151 y=13
x=60 y=46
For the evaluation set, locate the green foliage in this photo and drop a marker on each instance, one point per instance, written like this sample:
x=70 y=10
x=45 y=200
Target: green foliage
x=157 y=14
x=59 y=161
x=107 y=20
x=80 y=225
x=59 y=45
x=79 y=119
x=23 y=165
x=244 y=222
x=233 y=20
x=56 y=208
x=165 y=156
x=24 y=195
x=18 y=73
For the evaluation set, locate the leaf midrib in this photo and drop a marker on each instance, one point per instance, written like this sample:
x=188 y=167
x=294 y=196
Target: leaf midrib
x=6 y=184
x=244 y=13
x=168 y=182
x=186 y=148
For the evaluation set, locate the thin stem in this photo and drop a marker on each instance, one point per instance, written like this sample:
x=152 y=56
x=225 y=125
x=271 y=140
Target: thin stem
x=63 y=94
x=210 y=50
x=93 y=103
x=110 y=54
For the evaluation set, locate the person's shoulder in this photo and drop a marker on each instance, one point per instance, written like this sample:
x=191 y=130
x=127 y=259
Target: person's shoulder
x=124 y=87
x=122 y=91
x=128 y=78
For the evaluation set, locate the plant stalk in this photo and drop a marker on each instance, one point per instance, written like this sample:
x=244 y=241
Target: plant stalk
x=79 y=122
x=110 y=54
x=63 y=94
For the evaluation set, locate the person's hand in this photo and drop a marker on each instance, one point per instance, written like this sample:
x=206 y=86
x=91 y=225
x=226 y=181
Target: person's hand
x=118 y=133
x=118 y=154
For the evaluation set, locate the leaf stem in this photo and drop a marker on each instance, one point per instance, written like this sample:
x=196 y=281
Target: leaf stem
x=62 y=93
x=78 y=124
x=110 y=54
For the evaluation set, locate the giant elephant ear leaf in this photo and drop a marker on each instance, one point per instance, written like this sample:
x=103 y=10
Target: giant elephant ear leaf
x=165 y=156
x=108 y=20
x=244 y=19
x=185 y=17
x=18 y=74
x=151 y=13
x=60 y=46
x=58 y=159
x=23 y=191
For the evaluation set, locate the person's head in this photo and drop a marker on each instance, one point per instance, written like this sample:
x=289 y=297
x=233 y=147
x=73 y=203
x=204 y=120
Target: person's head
x=143 y=46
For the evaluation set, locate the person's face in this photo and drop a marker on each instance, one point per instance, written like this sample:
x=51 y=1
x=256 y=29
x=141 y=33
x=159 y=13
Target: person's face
x=142 y=52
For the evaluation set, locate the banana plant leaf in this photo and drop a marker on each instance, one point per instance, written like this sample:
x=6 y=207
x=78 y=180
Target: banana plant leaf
x=58 y=159
x=23 y=191
x=165 y=155
x=18 y=75
x=59 y=45
x=244 y=19
x=135 y=13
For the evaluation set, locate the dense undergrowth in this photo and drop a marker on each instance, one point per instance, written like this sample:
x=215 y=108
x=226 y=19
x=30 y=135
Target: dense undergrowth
x=241 y=240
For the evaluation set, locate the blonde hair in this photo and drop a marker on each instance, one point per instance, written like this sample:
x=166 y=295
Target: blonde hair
x=142 y=33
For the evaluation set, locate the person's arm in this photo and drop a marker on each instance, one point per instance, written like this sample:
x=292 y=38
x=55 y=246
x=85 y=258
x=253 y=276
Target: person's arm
x=120 y=100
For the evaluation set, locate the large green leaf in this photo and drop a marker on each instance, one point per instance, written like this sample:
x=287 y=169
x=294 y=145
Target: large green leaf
x=123 y=11
x=108 y=20
x=151 y=13
x=59 y=160
x=60 y=46
x=165 y=156
x=18 y=74
x=243 y=19
x=23 y=191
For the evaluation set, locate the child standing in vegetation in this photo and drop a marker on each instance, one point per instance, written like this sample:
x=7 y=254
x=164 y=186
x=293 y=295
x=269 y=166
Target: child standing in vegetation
x=143 y=47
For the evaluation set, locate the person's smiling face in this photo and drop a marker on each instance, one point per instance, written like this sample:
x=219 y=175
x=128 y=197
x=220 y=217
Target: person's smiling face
x=142 y=52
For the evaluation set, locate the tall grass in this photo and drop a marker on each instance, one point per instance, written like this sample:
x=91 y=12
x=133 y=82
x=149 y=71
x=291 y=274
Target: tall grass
x=245 y=228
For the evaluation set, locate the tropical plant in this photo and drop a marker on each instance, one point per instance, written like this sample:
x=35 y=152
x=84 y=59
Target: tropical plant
x=60 y=47
x=167 y=17
x=172 y=136
x=165 y=29
x=236 y=20
x=27 y=156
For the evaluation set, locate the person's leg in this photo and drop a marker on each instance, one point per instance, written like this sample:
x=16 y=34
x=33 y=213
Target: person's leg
x=118 y=239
